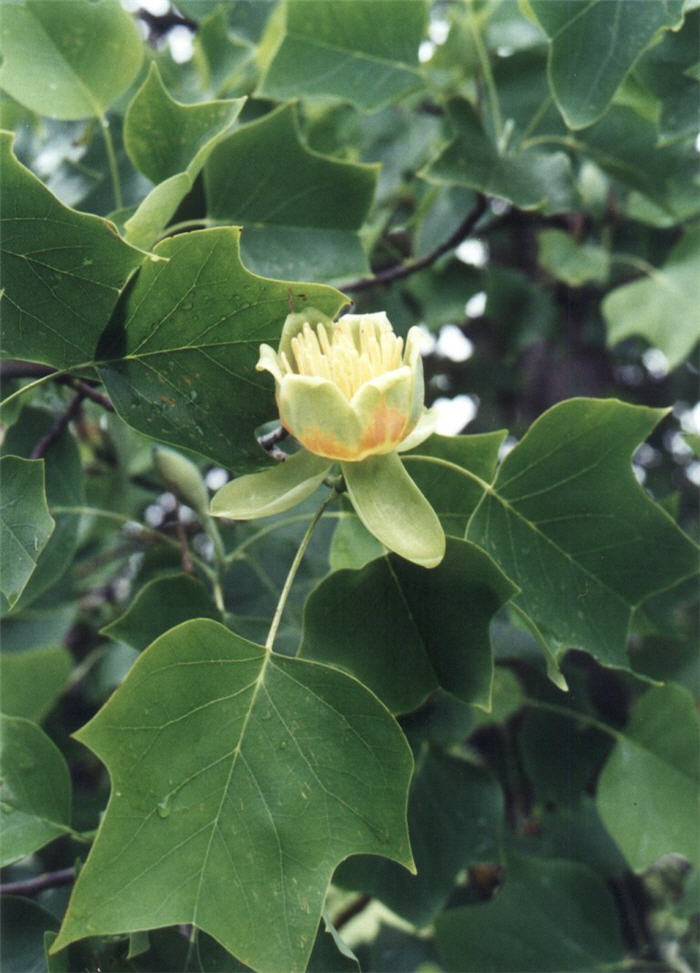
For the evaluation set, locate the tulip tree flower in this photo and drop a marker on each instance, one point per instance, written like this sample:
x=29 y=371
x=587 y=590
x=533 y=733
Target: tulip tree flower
x=351 y=394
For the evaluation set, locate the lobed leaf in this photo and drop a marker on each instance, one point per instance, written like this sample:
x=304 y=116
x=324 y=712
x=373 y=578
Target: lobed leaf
x=179 y=358
x=418 y=629
x=236 y=769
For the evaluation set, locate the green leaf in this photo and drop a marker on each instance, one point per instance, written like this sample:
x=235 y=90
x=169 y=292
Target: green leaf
x=24 y=925
x=358 y=50
x=417 y=629
x=32 y=680
x=663 y=307
x=593 y=45
x=63 y=271
x=35 y=793
x=648 y=790
x=25 y=523
x=301 y=210
x=530 y=179
x=571 y=262
x=549 y=916
x=160 y=605
x=566 y=520
x=352 y=545
x=255 y=774
x=391 y=507
x=273 y=491
x=451 y=496
x=169 y=142
x=179 y=359
x=455 y=813
x=64 y=487
x=71 y=59
x=221 y=59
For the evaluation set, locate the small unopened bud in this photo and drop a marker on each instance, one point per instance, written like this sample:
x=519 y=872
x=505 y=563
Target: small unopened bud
x=183 y=477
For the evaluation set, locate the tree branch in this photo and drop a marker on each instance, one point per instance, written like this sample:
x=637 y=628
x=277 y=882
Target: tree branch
x=412 y=267
x=32 y=886
x=47 y=441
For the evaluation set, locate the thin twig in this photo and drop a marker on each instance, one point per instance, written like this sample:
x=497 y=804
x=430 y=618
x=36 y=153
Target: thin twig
x=269 y=441
x=405 y=270
x=12 y=368
x=32 y=886
x=350 y=911
x=59 y=426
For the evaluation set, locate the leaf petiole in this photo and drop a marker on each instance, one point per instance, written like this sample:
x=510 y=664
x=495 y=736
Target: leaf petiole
x=294 y=567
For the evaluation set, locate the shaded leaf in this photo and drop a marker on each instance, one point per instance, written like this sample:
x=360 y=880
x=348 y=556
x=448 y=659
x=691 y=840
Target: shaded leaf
x=549 y=916
x=417 y=629
x=35 y=793
x=662 y=308
x=301 y=210
x=455 y=813
x=648 y=790
x=593 y=45
x=24 y=925
x=531 y=179
x=169 y=142
x=63 y=271
x=566 y=520
x=25 y=523
x=358 y=50
x=160 y=605
x=572 y=262
x=179 y=361
x=256 y=774
x=33 y=680
x=64 y=486
x=71 y=59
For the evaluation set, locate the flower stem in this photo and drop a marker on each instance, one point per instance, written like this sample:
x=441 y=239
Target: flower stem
x=289 y=581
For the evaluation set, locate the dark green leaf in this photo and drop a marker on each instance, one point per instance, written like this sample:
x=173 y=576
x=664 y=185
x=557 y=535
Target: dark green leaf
x=566 y=520
x=648 y=790
x=549 y=915
x=179 y=362
x=25 y=523
x=64 y=486
x=35 y=793
x=455 y=815
x=24 y=924
x=301 y=210
x=70 y=59
x=358 y=50
x=62 y=270
x=256 y=774
x=418 y=628
x=33 y=680
x=531 y=179
x=662 y=307
x=160 y=605
x=594 y=43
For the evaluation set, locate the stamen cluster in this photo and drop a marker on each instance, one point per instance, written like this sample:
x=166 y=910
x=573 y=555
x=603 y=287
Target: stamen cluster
x=346 y=359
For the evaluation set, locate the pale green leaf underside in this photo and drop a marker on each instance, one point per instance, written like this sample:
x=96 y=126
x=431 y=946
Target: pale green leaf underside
x=236 y=770
x=572 y=262
x=648 y=790
x=663 y=308
x=566 y=520
x=62 y=271
x=358 y=50
x=25 y=523
x=70 y=59
x=594 y=43
x=35 y=794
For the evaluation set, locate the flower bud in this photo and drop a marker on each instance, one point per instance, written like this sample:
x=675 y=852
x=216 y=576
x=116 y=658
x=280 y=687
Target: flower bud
x=184 y=478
